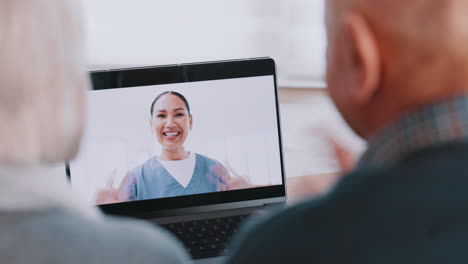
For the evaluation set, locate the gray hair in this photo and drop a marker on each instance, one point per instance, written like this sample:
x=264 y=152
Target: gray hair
x=42 y=80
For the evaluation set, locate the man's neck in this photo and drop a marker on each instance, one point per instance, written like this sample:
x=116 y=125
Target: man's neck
x=437 y=123
x=391 y=107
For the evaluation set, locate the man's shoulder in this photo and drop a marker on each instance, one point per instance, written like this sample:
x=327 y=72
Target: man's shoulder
x=63 y=235
x=366 y=209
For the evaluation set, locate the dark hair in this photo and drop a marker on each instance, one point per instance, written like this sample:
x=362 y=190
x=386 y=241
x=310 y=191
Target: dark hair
x=173 y=93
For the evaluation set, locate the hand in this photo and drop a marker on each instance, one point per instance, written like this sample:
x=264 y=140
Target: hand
x=230 y=179
x=236 y=184
x=237 y=181
x=108 y=194
x=344 y=156
x=307 y=186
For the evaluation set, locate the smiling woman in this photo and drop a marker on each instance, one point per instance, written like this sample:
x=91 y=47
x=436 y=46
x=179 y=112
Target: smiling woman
x=171 y=122
x=175 y=171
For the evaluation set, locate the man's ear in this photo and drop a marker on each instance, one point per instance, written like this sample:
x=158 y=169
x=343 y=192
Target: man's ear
x=366 y=57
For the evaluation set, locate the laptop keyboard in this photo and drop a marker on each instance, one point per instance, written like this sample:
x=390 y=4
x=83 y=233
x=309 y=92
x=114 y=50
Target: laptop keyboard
x=208 y=237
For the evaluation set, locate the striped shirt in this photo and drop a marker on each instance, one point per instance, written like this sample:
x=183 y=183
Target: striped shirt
x=435 y=124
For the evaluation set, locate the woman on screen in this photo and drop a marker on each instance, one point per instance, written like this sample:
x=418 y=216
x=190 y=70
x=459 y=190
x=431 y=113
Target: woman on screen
x=175 y=171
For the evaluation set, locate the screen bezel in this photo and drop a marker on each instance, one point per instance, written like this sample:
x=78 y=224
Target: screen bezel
x=184 y=73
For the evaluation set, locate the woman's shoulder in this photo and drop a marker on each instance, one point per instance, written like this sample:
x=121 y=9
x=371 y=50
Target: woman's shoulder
x=151 y=164
x=208 y=160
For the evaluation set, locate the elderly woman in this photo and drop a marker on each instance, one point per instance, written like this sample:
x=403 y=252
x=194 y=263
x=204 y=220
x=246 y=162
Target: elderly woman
x=42 y=93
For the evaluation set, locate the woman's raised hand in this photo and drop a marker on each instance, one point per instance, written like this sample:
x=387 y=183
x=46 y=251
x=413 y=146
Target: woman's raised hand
x=108 y=194
x=229 y=178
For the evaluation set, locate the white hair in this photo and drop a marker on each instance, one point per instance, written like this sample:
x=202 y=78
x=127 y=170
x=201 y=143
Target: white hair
x=42 y=80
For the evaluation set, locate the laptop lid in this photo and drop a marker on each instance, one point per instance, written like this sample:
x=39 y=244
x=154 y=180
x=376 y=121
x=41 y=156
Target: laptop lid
x=178 y=139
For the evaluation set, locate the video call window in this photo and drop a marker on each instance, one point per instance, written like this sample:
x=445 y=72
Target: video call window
x=228 y=128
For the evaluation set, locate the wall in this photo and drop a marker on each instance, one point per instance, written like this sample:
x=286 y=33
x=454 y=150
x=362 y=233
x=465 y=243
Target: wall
x=124 y=33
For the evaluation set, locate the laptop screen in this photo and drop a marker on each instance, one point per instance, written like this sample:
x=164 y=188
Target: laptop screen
x=203 y=132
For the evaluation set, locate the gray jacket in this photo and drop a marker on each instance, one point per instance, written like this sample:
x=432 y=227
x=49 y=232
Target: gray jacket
x=42 y=221
x=60 y=236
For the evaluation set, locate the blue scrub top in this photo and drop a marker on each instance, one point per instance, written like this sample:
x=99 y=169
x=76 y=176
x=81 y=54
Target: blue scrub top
x=151 y=180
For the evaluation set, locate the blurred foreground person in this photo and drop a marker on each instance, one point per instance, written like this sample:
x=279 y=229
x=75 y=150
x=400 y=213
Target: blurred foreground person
x=42 y=93
x=398 y=73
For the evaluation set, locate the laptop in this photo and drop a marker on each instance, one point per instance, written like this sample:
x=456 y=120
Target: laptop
x=195 y=148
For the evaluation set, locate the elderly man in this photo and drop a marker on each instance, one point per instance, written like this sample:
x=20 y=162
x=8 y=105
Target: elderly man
x=42 y=91
x=398 y=73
